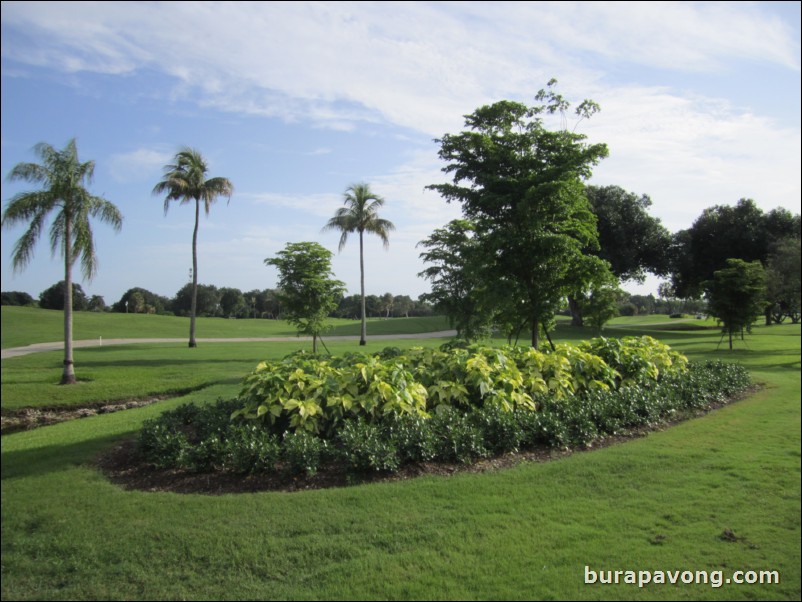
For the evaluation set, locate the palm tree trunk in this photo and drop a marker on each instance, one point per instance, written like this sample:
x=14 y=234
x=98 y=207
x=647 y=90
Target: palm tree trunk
x=364 y=333
x=68 y=375
x=194 y=306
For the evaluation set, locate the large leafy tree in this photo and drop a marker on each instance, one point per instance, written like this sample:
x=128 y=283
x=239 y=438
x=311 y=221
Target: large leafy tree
x=360 y=214
x=62 y=180
x=307 y=290
x=522 y=186
x=631 y=241
x=185 y=181
x=784 y=281
x=736 y=295
x=725 y=232
x=53 y=297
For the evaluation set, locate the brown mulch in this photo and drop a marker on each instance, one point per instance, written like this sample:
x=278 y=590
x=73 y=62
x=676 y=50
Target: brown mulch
x=24 y=419
x=123 y=466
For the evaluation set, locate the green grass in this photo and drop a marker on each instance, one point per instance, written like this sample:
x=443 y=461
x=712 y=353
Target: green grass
x=659 y=502
x=23 y=326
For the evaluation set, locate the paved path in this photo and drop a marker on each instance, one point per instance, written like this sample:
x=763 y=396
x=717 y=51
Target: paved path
x=56 y=346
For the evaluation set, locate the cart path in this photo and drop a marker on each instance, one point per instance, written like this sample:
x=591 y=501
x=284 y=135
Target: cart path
x=58 y=345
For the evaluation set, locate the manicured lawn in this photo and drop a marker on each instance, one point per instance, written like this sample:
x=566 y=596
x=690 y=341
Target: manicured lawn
x=666 y=501
x=24 y=325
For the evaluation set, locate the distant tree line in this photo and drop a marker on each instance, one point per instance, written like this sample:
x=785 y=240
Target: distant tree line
x=223 y=302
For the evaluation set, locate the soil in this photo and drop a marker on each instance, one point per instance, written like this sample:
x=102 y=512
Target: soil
x=23 y=419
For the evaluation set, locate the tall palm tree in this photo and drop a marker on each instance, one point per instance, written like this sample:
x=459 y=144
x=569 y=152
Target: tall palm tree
x=360 y=214
x=185 y=181
x=63 y=178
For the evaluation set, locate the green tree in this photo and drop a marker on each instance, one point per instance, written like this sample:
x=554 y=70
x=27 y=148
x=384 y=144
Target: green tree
x=232 y=303
x=457 y=279
x=521 y=185
x=308 y=291
x=63 y=180
x=127 y=302
x=361 y=214
x=97 y=303
x=783 y=280
x=601 y=305
x=207 y=300
x=53 y=297
x=18 y=298
x=725 y=232
x=185 y=181
x=736 y=295
x=632 y=242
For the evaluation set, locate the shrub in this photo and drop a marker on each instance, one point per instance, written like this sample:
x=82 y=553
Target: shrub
x=373 y=414
x=502 y=433
x=303 y=452
x=413 y=437
x=459 y=440
x=365 y=448
x=249 y=448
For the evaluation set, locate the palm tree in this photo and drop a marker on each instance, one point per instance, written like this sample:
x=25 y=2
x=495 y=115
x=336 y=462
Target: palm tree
x=360 y=214
x=185 y=181
x=63 y=178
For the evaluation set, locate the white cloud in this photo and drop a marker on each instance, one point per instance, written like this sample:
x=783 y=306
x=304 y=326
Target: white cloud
x=418 y=65
x=139 y=164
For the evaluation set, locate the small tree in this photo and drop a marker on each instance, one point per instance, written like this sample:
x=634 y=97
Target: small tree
x=601 y=305
x=308 y=291
x=737 y=295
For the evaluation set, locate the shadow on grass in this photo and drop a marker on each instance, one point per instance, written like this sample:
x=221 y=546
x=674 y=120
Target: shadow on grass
x=38 y=461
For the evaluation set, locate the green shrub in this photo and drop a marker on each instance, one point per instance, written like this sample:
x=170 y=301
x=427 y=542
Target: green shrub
x=249 y=448
x=413 y=437
x=365 y=448
x=502 y=433
x=458 y=439
x=428 y=405
x=303 y=452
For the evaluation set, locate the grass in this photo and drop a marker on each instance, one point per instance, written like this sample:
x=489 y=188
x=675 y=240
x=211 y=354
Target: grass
x=659 y=502
x=23 y=326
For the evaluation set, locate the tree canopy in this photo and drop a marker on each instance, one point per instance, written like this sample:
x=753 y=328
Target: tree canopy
x=521 y=186
x=725 y=232
x=736 y=295
x=307 y=290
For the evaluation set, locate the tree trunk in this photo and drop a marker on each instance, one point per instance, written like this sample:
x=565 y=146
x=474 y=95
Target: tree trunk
x=364 y=333
x=194 y=307
x=68 y=374
x=535 y=333
x=576 y=312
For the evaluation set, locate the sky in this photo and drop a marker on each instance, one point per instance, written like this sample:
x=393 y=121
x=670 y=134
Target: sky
x=293 y=102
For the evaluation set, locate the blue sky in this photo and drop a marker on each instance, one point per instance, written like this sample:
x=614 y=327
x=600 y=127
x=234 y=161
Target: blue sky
x=295 y=101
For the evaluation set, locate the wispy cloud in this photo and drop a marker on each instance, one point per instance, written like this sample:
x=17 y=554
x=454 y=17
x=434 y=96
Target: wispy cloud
x=139 y=164
x=417 y=65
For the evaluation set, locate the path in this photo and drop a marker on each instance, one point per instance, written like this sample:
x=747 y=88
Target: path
x=56 y=346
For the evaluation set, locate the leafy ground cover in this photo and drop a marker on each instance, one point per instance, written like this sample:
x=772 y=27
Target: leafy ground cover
x=721 y=492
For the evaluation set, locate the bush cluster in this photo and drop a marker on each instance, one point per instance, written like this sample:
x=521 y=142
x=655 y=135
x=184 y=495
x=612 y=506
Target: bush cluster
x=374 y=413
